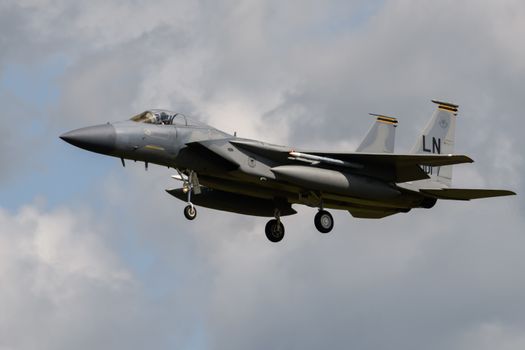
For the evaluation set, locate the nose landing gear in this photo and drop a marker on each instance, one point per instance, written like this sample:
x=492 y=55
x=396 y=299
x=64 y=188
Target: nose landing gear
x=191 y=184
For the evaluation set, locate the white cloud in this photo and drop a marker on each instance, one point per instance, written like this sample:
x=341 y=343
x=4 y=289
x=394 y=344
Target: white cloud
x=64 y=285
x=57 y=277
x=494 y=336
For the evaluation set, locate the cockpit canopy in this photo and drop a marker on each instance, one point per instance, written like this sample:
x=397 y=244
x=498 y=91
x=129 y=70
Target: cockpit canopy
x=163 y=117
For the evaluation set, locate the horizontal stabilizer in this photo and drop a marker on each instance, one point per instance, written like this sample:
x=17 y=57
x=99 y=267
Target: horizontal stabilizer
x=465 y=194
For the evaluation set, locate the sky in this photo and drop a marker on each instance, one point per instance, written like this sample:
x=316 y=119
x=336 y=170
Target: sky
x=94 y=255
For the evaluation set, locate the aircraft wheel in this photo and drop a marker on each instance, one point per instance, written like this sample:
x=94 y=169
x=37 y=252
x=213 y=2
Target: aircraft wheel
x=274 y=230
x=190 y=212
x=324 y=222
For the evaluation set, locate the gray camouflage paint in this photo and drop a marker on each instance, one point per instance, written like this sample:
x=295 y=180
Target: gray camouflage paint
x=265 y=177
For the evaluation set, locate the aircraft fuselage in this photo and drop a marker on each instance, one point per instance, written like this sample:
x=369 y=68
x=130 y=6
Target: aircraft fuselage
x=224 y=172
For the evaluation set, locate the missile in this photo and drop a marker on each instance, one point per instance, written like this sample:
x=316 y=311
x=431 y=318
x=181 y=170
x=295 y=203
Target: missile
x=311 y=158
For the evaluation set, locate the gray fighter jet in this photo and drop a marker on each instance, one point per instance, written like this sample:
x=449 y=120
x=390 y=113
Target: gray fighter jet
x=225 y=172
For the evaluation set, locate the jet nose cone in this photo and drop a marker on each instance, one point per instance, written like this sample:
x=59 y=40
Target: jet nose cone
x=98 y=138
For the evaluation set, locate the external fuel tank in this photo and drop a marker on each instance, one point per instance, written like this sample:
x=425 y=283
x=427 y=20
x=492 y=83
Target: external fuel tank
x=336 y=182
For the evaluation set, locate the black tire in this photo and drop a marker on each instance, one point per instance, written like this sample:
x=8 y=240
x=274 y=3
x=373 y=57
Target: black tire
x=190 y=212
x=324 y=222
x=274 y=231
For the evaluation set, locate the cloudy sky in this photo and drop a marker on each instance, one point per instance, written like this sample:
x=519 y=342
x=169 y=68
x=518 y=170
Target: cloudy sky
x=96 y=256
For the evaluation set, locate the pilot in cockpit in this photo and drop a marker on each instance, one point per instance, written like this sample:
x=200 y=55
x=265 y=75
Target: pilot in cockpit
x=164 y=118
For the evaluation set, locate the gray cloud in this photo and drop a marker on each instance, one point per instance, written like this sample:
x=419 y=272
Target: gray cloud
x=61 y=286
x=298 y=73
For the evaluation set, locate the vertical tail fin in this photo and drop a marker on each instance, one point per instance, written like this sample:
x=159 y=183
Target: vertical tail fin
x=381 y=136
x=438 y=137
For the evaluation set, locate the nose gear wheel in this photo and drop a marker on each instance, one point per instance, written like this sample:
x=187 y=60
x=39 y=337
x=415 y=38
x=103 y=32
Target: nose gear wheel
x=190 y=212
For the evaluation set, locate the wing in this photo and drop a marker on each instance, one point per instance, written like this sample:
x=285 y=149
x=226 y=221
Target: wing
x=391 y=167
x=465 y=194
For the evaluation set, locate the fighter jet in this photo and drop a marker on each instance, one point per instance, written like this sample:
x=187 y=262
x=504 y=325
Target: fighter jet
x=225 y=172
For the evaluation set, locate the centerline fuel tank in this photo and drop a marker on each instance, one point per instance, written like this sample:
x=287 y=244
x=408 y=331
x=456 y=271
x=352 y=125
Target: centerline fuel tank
x=334 y=181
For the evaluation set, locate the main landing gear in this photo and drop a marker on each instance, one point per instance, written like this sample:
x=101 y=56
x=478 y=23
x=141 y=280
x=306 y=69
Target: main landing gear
x=324 y=222
x=274 y=228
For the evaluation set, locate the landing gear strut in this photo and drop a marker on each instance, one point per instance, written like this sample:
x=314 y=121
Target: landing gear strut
x=191 y=185
x=324 y=222
x=274 y=228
